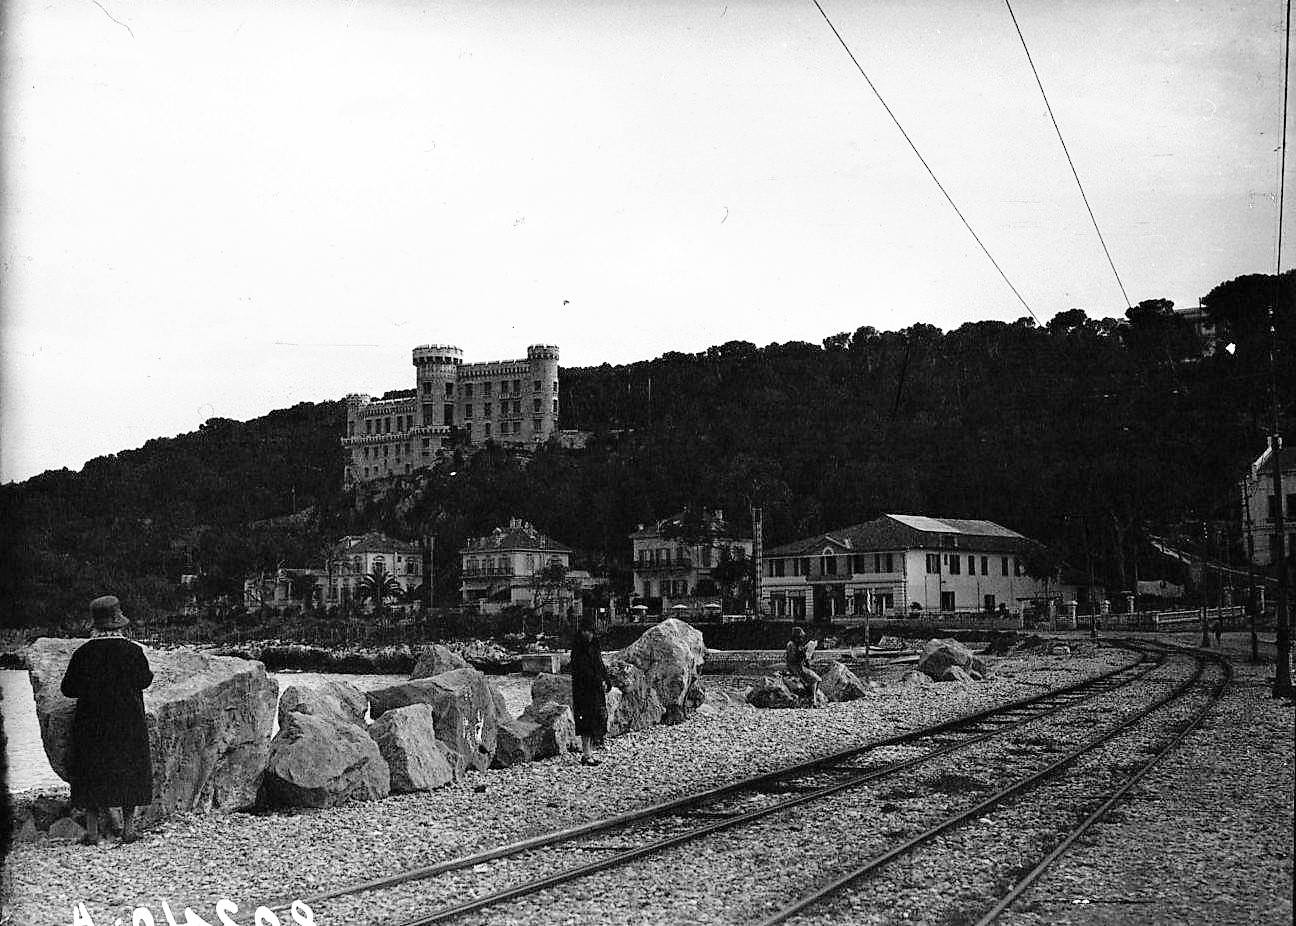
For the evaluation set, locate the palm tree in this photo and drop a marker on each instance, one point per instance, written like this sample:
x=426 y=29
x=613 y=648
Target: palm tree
x=379 y=585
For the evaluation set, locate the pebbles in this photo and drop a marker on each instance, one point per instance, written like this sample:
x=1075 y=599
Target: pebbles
x=252 y=859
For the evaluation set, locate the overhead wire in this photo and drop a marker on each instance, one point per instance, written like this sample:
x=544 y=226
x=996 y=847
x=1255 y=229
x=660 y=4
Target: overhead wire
x=1067 y=152
x=930 y=172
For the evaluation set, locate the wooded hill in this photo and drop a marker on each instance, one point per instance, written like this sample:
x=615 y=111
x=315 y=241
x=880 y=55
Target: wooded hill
x=1083 y=433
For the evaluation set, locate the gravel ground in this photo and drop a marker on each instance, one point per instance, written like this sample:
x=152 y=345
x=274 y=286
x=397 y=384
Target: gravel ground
x=252 y=859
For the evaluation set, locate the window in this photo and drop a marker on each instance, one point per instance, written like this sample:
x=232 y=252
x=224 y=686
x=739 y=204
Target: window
x=778 y=563
x=467 y=412
x=828 y=565
x=517 y=427
x=350 y=429
x=366 y=453
x=971 y=565
x=386 y=448
x=985 y=565
x=555 y=385
x=535 y=387
x=666 y=557
x=407 y=469
x=530 y=562
x=486 y=430
x=449 y=414
x=947 y=598
x=449 y=388
x=955 y=565
x=537 y=425
x=427 y=387
x=486 y=388
x=1273 y=506
x=555 y=407
x=387 y=425
x=467 y=390
x=517 y=387
x=805 y=565
x=1003 y=564
x=884 y=562
x=486 y=410
x=933 y=564
x=535 y=406
x=366 y=472
x=368 y=425
x=796 y=567
x=517 y=407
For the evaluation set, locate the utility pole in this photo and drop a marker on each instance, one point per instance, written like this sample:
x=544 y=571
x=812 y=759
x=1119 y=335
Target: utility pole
x=758 y=531
x=1282 y=677
x=1252 y=602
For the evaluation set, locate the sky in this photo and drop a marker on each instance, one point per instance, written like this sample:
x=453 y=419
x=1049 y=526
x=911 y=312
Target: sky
x=220 y=209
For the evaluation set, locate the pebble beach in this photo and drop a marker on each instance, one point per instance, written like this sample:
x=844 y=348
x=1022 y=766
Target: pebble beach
x=1219 y=814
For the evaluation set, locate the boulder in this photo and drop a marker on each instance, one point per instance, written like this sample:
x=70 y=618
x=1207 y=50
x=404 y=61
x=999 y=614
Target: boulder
x=772 y=692
x=209 y=724
x=915 y=679
x=955 y=674
x=542 y=731
x=801 y=692
x=502 y=710
x=322 y=761
x=547 y=687
x=463 y=707
x=841 y=684
x=636 y=705
x=1059 y=649
x=670 y=655
x=330 y=698
x=487 y=657
x=939 y=655
x=437 y=659
x=557 y=729
x=406 y=739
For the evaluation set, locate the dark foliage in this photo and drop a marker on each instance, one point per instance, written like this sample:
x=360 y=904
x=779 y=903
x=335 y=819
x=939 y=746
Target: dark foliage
x=1083 y=433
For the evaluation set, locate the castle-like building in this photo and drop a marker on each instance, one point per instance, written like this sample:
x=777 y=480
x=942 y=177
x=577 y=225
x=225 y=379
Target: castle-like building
x=513 y=402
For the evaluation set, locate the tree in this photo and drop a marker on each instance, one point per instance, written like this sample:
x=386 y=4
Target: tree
x=378 y=586
x=734 y=573
x=550 y=587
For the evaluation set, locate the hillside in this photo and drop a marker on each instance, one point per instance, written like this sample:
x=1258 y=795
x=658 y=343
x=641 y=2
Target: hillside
x=1083 y=433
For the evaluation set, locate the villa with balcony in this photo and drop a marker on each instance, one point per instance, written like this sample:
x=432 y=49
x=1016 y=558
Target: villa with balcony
x=508 y=567
x=671 y=568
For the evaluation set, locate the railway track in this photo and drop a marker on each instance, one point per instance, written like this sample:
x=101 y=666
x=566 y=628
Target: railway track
x=612 y=845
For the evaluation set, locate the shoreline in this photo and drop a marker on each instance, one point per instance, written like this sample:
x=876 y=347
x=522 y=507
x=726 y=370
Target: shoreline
x=241 y=856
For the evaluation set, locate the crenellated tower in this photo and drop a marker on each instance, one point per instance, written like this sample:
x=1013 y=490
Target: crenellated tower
x=436 y=381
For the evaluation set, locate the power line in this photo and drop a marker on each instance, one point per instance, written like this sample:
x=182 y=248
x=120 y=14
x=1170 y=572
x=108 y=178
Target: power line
x=930 y=172
x=1074 y=173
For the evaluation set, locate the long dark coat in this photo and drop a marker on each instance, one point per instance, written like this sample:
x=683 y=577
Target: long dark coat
x=109 y=761
x=589 y=676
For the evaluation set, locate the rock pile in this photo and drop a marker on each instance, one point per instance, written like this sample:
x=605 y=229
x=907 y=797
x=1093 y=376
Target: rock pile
x=939 y=656
x=209 y=721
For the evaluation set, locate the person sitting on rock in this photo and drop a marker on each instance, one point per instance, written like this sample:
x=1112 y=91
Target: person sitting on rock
x=109 y=763
x=590 y=684
x=799 y=651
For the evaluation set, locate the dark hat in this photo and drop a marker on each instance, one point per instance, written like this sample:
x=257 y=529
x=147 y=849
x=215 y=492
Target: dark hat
x=798 y=633
x=106 y=613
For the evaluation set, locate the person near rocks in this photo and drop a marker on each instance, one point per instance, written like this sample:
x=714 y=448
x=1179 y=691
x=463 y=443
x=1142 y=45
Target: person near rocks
x=109 y=764
x=590 y=684
x=799 y=651
x=1218 y=629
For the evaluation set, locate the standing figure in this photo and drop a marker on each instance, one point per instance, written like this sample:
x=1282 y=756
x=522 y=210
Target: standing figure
x=109 y=763
x=590 y=684
x=799 y=651
x=1218 y=629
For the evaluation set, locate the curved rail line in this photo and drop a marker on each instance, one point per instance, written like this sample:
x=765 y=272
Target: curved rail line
x=1016 y=788
x=1000 y=719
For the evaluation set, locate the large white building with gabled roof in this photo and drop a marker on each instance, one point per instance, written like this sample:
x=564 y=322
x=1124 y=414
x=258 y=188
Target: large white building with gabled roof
x=896 y=561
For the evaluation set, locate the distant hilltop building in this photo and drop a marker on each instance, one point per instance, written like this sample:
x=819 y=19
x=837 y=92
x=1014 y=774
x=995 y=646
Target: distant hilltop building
x=513 y=402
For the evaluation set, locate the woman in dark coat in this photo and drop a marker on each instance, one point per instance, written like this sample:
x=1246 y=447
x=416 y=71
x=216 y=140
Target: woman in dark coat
x=590 y=683
x=109 y=763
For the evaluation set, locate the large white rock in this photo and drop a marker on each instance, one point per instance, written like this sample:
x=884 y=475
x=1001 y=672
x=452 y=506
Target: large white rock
x=330 y=698
x=464 y=709
x=670 y=655
x=322 y=761
x=406 y=737
x=548 y=687
x=209 y=724
x=633 y=703
x=841 y=684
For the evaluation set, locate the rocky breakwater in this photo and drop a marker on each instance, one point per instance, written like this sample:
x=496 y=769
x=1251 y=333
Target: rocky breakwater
x=209 y=722
x=662 y=666
x=465 y=711
x=323 y=755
